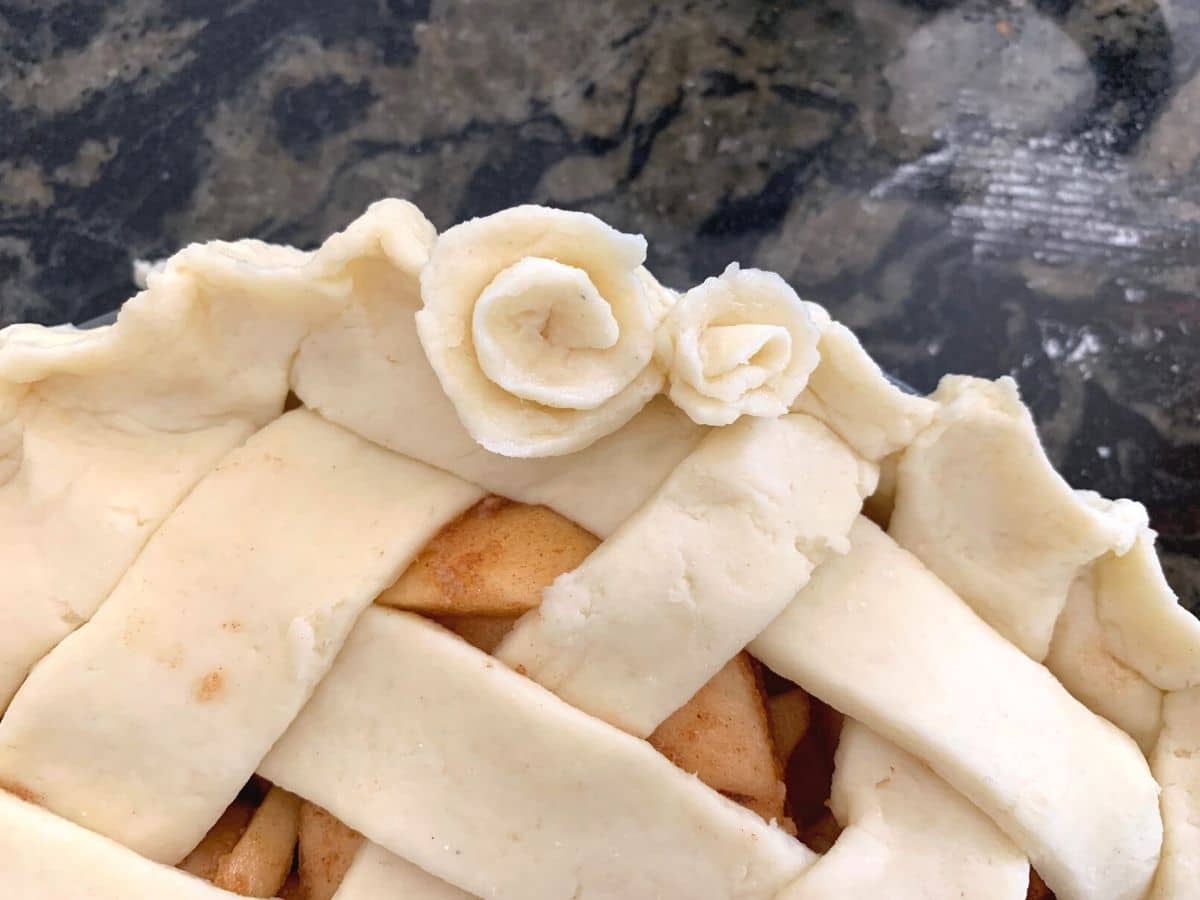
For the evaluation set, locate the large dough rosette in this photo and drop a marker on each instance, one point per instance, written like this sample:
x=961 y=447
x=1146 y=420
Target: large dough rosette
x=540 y=326
x=741 y=344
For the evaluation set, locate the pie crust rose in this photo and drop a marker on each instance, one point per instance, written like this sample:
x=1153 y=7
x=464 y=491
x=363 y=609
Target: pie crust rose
x=741 y=344
x=540 y=326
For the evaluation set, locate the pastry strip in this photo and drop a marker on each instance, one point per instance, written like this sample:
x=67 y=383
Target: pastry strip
x=908 y=834
x=507 y=791
x=1082 y=661
x=1176 y=765
x=65 y=537
x=141 y=409
x=371 y=351
x=695 y=574
x=44 y=856
x=877 y=636
x=1144 y=625
x=849 y=393
x=978 y=502
x=377 y=874
x=216 y=636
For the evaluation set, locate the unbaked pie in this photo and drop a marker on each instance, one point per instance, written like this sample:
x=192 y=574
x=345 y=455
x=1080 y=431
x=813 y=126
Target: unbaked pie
x=439 y=566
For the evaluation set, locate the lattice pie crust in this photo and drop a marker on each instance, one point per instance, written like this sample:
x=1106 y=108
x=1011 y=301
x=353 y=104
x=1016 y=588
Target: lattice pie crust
x=536 y=542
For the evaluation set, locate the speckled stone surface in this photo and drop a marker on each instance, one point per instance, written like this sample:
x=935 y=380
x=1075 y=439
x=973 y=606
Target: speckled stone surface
x=987 y=188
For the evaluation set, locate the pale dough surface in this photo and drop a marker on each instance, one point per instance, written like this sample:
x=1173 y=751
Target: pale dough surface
x=377 y=874
x=540 y=328
x=696 y=573
x=849 y=393
x=1143 y=624
x=980 y=504
x=146 y=722
x=99 y=488
x=908 y=835
x=44 y=857
x=1080 y=658
x=539 y=325
x=877 y=636
x=1176 y=764
x=507 y=791
x=741 y=343
x=102 y=432
x=371 y=351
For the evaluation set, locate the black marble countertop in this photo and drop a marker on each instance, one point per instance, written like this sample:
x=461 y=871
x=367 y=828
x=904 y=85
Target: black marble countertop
x=974 y=187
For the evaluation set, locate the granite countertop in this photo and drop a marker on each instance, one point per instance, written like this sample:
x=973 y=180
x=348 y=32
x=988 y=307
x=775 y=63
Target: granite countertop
x=991 y=188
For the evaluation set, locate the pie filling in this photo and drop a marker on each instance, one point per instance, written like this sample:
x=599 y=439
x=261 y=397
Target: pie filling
x=483 y=565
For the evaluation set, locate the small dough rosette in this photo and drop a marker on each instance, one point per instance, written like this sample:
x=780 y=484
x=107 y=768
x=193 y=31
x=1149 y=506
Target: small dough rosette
x=540 y=326
x=741 y=344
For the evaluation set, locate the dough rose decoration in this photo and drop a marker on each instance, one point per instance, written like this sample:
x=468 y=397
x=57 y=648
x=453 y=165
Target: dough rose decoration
x=540 y=326
x=741 y=344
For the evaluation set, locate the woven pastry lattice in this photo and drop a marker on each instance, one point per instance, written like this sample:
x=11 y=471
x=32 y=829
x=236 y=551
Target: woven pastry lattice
x=451 y=558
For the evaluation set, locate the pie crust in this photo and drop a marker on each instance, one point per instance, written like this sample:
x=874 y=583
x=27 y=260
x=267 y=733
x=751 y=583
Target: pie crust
x=444 y=563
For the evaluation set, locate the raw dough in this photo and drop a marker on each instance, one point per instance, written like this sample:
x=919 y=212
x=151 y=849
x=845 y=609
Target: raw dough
x=44 y=857
x=849 y=393
x=103 y=432
x=1176 y=764
x=371 y=351
x=483 y=762
x=978 y=502
x=877 y=636
x=739 y=344
x=908 y=835
x=1144 y=625
x=1081 y=660
x=540 y=328
x=695 y=574
x=377 y=874
x=145 y=723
